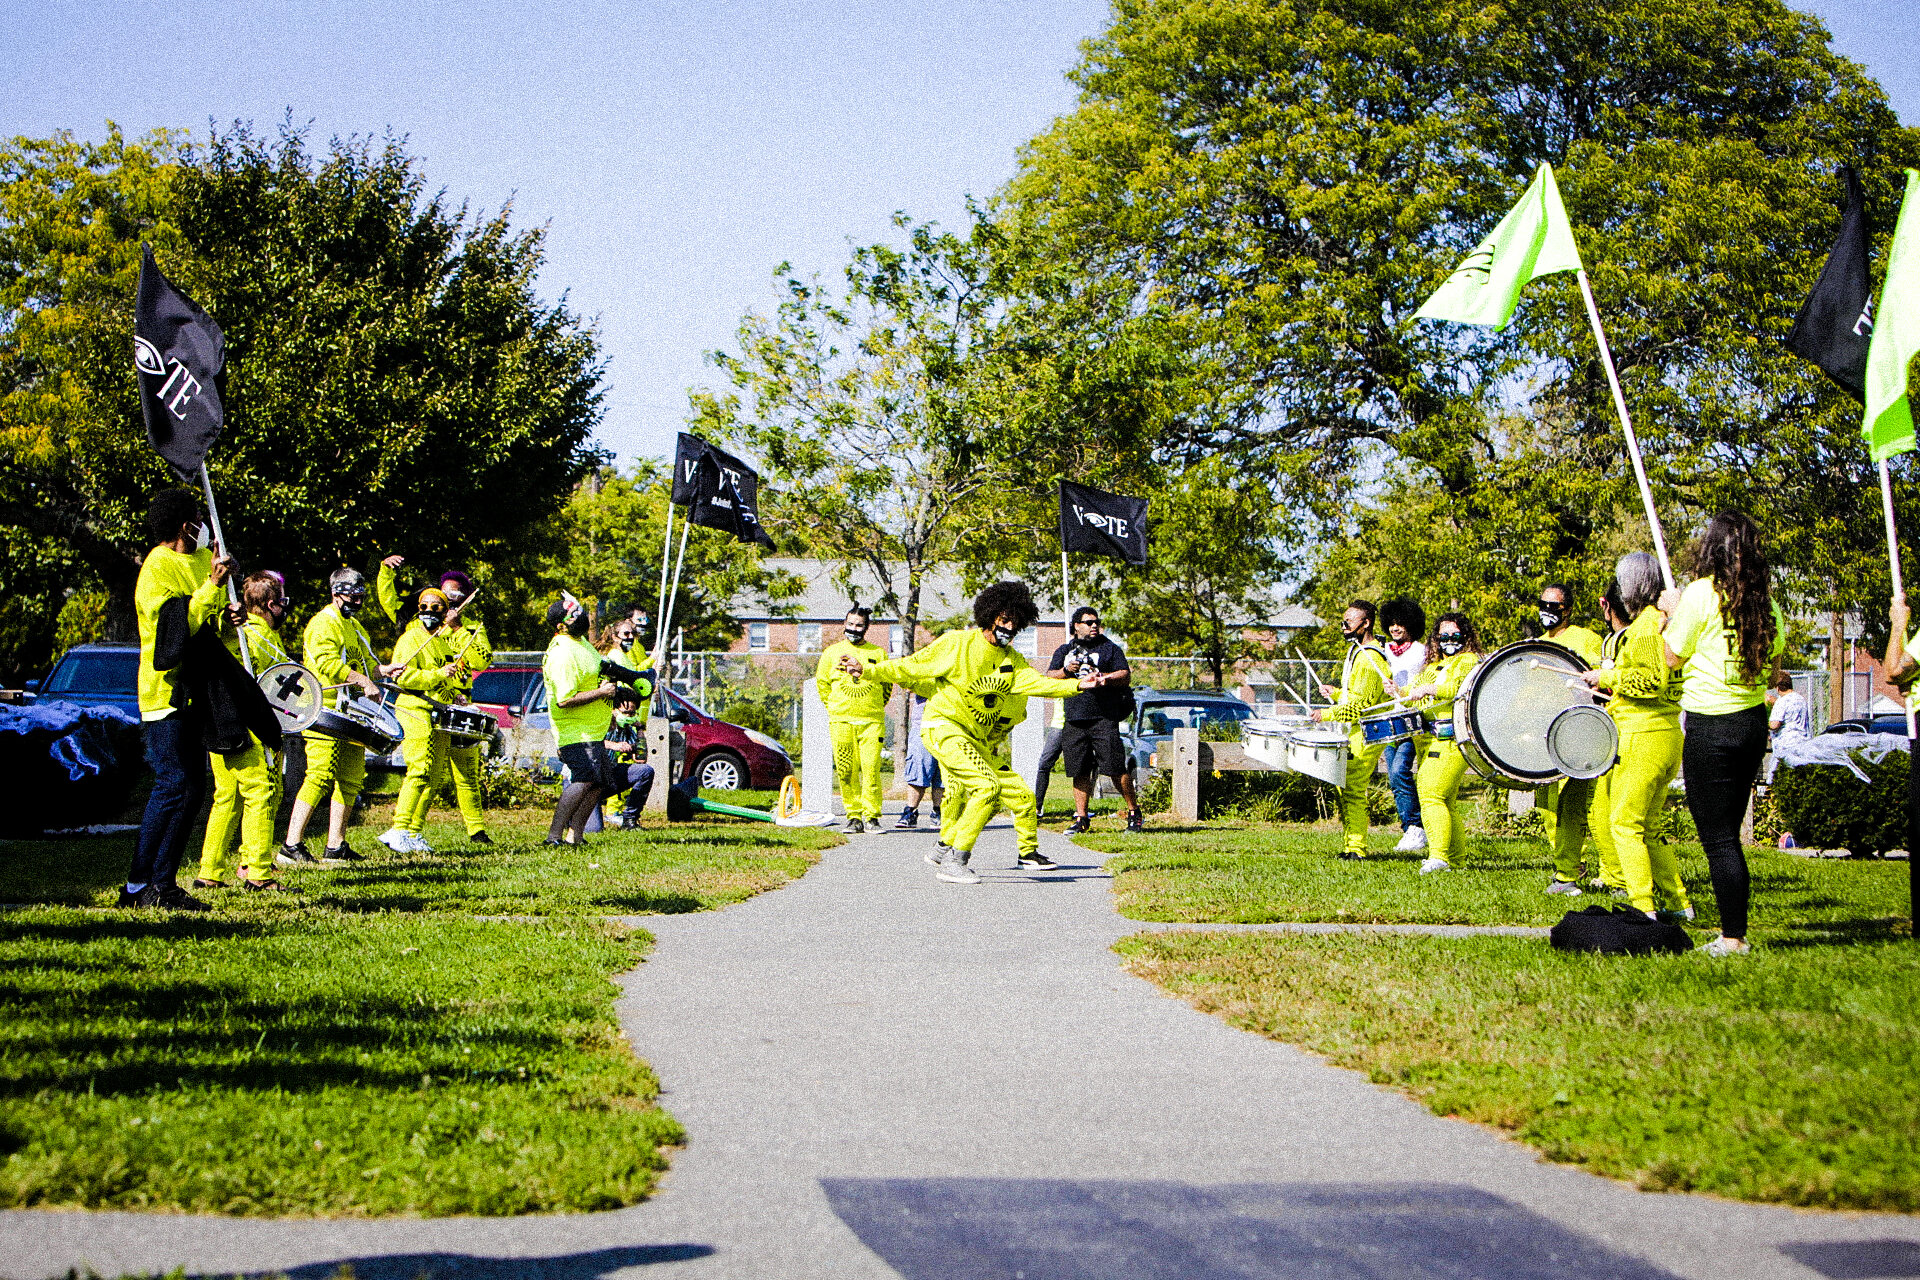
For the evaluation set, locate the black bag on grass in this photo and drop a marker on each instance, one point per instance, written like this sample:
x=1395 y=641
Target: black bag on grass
x=1624 y=932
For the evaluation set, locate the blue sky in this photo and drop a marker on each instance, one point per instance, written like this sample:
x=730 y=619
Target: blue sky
x=677 y=152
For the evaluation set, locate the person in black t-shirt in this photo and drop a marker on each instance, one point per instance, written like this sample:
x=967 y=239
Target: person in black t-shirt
x=1089 y=738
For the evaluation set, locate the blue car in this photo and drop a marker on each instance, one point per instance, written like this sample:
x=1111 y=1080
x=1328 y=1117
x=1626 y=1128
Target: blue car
x=94 y=675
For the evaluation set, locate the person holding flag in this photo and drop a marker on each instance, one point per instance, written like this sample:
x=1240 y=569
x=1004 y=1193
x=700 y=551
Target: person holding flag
x=246 y=783
x=857 y=719
x=339 y=651
x=1365 y=678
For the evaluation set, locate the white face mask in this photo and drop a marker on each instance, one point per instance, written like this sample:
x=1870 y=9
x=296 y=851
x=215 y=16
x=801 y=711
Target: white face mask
x=202 y=535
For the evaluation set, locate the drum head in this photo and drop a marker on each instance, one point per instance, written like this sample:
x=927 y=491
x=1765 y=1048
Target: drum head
x=1582 y=742
x=1511 y=700
x=294 y=694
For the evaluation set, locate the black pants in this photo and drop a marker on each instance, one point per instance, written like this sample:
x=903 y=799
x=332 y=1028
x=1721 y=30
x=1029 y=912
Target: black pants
x=1049 y=757
x=179 y=764
x=1720 y=760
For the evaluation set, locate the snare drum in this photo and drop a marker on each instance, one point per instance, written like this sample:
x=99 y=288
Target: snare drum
x=361 y=720
x=1508 y=718
x=1384 y=728
x=294 y=694
x=463 y=724
x=1319 y=753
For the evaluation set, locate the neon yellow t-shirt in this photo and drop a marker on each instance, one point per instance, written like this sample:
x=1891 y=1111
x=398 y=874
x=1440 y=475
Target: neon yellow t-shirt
x=1698 y=633
x=573 y=666
x=1583 y=642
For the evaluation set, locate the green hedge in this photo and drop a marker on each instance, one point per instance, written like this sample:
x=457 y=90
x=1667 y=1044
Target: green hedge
x=1827 y=807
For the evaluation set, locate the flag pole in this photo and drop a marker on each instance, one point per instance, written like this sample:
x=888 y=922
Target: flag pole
x=666 y=554
x=1626 y=424
x=233 y=595
x=673 y=597
x=1066 y=604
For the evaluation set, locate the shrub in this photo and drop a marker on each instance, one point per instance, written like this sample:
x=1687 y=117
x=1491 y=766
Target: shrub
x=1826 y=806
x=505 y=786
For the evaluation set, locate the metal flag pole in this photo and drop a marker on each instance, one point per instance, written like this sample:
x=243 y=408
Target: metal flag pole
x=666 y=553
x=1066 y=602
x=673 y=597
x=220 y=541
x=1626 y=424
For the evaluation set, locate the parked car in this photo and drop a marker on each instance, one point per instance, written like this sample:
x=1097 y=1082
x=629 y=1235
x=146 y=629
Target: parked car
x=1895 y=724
x=505 y=690
x=1157 y=714
x=723 y=756
x=94 y=675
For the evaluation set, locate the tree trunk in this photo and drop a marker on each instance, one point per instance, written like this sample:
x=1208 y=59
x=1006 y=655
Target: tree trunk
x=120 y=623
x=1836 y=668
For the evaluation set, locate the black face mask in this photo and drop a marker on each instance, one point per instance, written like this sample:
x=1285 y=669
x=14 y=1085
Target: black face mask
x=1450 y=644
x=856 y=634
x=577 y=626
x=626 y=643
x=349 y=607
x=1003 y=636
x=1552 y=616
x=431 y=621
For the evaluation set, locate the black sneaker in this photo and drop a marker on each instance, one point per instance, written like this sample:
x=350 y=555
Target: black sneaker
x=1136 y=821
x=1346 y=856
x=855 y=827
x=1037 y=861
x=265 y=886
x=934 y=817
x=174 y=898
x=344 y=853
x=1080 y=825
x=147 y=898
x=629 y=822
x=909 y=819
x=479 y=837
x=554 y=842
x=294 y=855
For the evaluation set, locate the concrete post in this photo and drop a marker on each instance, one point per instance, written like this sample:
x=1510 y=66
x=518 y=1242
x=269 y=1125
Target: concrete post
x=816 y=753
x=1186 y=775
x=659 y=755
x=1029 y=736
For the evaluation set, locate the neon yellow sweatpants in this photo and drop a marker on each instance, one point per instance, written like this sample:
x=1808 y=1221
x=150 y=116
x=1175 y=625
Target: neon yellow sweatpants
x=1438 y=783
x=1362 y=762
x=425 y=750
x=1648 y=761
x=246 y=799
x=856 y=765
x=1600 y=827
x=464 y=763
x=980 y=783
x=333 y=765
x=1563 y=806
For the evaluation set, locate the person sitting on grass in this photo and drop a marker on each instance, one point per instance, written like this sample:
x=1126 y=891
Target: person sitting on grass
x=1457 y=652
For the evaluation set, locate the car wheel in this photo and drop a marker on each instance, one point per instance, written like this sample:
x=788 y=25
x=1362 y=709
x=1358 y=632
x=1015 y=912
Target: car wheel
x=721 y=771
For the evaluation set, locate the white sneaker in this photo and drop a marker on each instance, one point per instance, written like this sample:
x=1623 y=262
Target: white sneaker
x=397 y=840
x=1565 y=888
x=420 y=844
x=955 y=871
x=939 y=855
x=1413 y=841
x=1432 y=865
x=1722 y=947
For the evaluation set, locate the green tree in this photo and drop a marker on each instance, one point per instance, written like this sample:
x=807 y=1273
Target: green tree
x=394 y=383
x=1274 y=189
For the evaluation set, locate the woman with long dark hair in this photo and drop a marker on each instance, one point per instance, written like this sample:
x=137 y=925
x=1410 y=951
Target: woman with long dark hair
x=1456 y=653
x=1725 y=634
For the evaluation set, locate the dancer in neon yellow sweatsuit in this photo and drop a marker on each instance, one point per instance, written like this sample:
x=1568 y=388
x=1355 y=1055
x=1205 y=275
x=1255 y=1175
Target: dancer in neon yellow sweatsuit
x=1563 y=805
x=1441 y=764
x=426 y=676
x=1600 y=807
x=1365 y=678
x=980 y=690
x=246 y=783
x=339 y=651
x=856 y=719
x=1646 y=707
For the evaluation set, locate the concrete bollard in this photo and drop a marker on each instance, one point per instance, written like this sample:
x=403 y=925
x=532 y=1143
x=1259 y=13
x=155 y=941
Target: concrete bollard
x=816 y=753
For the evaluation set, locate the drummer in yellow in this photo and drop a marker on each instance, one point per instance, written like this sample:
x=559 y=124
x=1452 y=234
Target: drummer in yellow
x=1441 y=764
x=1600 y=808
x=340 y=652
x=1563 y=805
x=426 y=675
x=1646 y=708
x=856 y=719
x=1365 y=678
x=246 y=784
x=466 y=639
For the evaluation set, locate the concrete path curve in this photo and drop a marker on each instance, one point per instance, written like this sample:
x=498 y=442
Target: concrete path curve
x=884 y=1076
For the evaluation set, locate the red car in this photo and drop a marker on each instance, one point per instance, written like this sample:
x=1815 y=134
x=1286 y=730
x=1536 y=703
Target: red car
x=724 y=757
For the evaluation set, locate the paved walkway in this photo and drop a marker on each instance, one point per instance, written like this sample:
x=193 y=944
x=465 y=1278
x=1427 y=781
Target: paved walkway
x=884 y=1076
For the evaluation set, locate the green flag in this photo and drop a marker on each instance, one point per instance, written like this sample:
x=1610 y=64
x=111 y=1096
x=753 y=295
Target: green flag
x=1533 y=240
x=1896 y=337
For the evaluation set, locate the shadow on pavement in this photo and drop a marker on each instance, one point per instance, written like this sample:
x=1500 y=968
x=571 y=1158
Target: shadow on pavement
x=1858 y=1259
x=461 y=1266
x=1040 y=1229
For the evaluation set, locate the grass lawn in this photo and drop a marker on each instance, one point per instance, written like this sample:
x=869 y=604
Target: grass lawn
x=364 y=1047
x=1783 y=1076
x=1247 y=872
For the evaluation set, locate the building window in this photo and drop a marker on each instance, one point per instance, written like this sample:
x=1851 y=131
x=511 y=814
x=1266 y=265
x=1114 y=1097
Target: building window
x=756 y=637
x=1028 y=642
x=809 y=637
x=896 y=640
x=1263 y=699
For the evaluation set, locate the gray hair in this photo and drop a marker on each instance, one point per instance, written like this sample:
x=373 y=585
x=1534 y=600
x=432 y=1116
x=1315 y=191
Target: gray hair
x=1640 y=582
x=346 y=579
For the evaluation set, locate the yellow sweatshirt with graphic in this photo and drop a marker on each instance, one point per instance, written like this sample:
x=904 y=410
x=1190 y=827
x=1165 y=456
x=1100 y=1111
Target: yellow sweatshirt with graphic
x=976 y=685
x=1646 y=692
x=864 y=699
x=335 y=645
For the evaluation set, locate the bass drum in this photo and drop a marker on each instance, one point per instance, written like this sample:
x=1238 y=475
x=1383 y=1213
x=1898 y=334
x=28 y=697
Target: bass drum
x=1512 y=722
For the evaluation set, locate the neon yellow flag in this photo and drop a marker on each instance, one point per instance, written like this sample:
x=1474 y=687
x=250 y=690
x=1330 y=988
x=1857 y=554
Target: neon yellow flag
x=1533 y=240
x=1896 y=337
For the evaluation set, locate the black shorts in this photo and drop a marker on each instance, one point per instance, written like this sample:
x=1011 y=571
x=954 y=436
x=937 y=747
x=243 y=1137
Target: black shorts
x=1092 y=747
x=589 y=762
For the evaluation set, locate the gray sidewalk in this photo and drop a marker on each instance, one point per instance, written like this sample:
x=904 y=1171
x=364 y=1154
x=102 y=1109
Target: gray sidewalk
x=882 y=1075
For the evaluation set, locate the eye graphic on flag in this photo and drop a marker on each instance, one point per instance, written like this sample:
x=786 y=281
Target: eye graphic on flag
x=147 y=359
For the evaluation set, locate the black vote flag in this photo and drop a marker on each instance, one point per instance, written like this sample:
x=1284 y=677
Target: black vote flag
x=1835 y=327
x=1103 y=523
x=179 y=354
x=718 y=490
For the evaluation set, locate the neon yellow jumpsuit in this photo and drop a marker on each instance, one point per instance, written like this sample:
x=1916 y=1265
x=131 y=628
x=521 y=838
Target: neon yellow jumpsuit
x=335 y=645
x=1646 y=706
x=980 y=693
x=1441 y=764
x=246 y=783
x=857 y=720
x=1563 y=805
x=1364 y=681
x=1600 y=808
x=425 y=656
x=470 y=648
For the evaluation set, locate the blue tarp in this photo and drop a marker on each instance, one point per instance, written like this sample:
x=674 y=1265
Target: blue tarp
x=82 y=737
